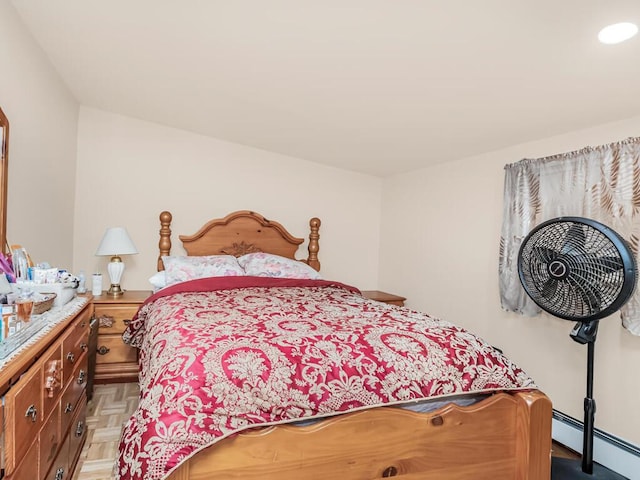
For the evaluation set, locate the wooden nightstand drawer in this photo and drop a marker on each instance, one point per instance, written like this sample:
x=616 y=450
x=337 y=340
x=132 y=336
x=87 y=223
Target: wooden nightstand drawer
x=114 y=318
x=111 y=349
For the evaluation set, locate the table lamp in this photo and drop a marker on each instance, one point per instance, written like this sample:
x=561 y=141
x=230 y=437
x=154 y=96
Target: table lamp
x=116 y=242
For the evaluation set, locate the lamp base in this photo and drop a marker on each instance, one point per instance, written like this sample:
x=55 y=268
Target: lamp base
x=115 y=290
x=115 y=269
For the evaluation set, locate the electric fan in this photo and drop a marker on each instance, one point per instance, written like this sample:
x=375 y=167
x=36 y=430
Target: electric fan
x=580 y=270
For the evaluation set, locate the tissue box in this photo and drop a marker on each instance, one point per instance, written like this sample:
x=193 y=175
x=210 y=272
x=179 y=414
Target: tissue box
x=64 y=291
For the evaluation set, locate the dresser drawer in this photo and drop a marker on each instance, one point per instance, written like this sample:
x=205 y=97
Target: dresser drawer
x=111 y=349
x=23 y=410
x=52 y=379
x=74 y=346
x=70 y=397
x=60 y=469
x=50 y=439
x=78 y=432
x=29 y=468
x=113 y=319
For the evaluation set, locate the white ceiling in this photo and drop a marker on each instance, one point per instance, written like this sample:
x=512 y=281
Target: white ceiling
x=377 y=86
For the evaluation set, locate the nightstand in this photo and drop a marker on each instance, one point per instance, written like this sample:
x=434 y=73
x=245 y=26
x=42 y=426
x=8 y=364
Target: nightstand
x=384 y=297
x=115 y=360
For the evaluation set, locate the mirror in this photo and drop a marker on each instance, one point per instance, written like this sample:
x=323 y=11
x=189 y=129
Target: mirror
x=4 y=163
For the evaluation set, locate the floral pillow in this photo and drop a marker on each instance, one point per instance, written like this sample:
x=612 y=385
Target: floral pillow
x=183 y=268
x=269 y=265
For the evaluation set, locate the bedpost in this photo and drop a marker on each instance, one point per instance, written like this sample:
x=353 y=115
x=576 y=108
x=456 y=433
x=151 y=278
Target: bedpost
x=314 y=246
x=533 y=447
x=164 y=245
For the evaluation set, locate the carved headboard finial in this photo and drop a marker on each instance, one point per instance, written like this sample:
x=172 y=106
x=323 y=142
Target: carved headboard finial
x=164 y=244
x=314 y=247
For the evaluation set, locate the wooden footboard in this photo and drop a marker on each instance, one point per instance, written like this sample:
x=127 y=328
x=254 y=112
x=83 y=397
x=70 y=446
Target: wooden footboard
x=506 y=436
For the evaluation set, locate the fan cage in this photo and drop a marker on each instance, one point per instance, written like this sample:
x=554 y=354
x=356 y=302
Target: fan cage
x=577 y=269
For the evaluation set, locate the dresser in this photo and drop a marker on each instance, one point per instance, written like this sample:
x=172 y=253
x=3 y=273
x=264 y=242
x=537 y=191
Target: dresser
x=384 y=297
x=115 y=360
x=44 y=399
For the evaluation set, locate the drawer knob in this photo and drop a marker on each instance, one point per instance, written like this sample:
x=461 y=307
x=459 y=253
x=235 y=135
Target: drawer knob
x=71 y=357
x=52 y=380
x=126 y=322
x=103 y=350
x=84 y=347
x=59 y=473
x=68 y=408
x=106 y=321
x=80 y=429
x=81 y=376
x=32 y=412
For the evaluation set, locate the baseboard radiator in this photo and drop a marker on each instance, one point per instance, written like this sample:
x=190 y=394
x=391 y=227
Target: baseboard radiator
x=614 y=453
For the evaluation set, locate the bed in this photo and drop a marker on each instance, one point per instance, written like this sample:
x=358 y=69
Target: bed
x=228 y=410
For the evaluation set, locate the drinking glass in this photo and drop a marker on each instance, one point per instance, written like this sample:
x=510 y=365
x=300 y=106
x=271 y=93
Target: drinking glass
x=24 y=307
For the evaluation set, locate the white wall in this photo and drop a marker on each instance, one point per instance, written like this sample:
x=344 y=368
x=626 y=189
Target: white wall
x=440 y=226
x=131 y=170
x=43 y=118
x=439 y=247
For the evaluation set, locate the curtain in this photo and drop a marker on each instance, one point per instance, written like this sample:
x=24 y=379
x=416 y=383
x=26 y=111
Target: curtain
x=601 y=183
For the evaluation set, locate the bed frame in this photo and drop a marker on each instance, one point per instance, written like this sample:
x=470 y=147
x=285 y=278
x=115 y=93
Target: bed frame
x=506 y=436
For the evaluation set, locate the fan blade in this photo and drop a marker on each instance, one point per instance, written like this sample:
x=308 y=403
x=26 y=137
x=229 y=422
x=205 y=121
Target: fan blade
x=610 y=264
x=549 y=289
x=590 y=295
x=594 y=263
x=574 y=238
x=583 y=273
x=544 y=254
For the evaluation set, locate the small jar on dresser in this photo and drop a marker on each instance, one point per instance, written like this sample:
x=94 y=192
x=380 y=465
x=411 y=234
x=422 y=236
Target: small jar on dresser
x=115 y=360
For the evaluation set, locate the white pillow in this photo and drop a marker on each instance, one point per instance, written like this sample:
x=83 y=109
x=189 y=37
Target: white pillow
x=183 y=268
x=268 y=265
x=158 y=280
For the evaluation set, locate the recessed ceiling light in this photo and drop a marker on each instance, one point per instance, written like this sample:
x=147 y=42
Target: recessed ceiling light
x=618 y=32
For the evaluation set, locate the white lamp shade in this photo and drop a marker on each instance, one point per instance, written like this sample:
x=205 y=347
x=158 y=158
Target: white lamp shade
x=116 y=241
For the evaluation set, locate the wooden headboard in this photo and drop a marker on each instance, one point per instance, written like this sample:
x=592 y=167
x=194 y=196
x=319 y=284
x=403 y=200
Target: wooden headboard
x=240 y=233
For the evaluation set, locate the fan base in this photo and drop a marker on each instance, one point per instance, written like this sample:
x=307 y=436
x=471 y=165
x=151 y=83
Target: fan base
x=564 y=469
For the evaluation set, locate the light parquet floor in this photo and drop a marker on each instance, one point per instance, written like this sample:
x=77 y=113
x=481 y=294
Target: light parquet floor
x=107 y=411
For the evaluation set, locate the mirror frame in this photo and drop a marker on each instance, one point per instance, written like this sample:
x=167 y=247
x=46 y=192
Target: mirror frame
x=4 y=174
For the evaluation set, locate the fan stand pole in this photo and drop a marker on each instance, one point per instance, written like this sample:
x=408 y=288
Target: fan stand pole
x=589 y=413
x=568 y=469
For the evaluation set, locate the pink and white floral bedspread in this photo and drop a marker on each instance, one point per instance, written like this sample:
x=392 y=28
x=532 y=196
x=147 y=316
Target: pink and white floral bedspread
x=219 y=355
